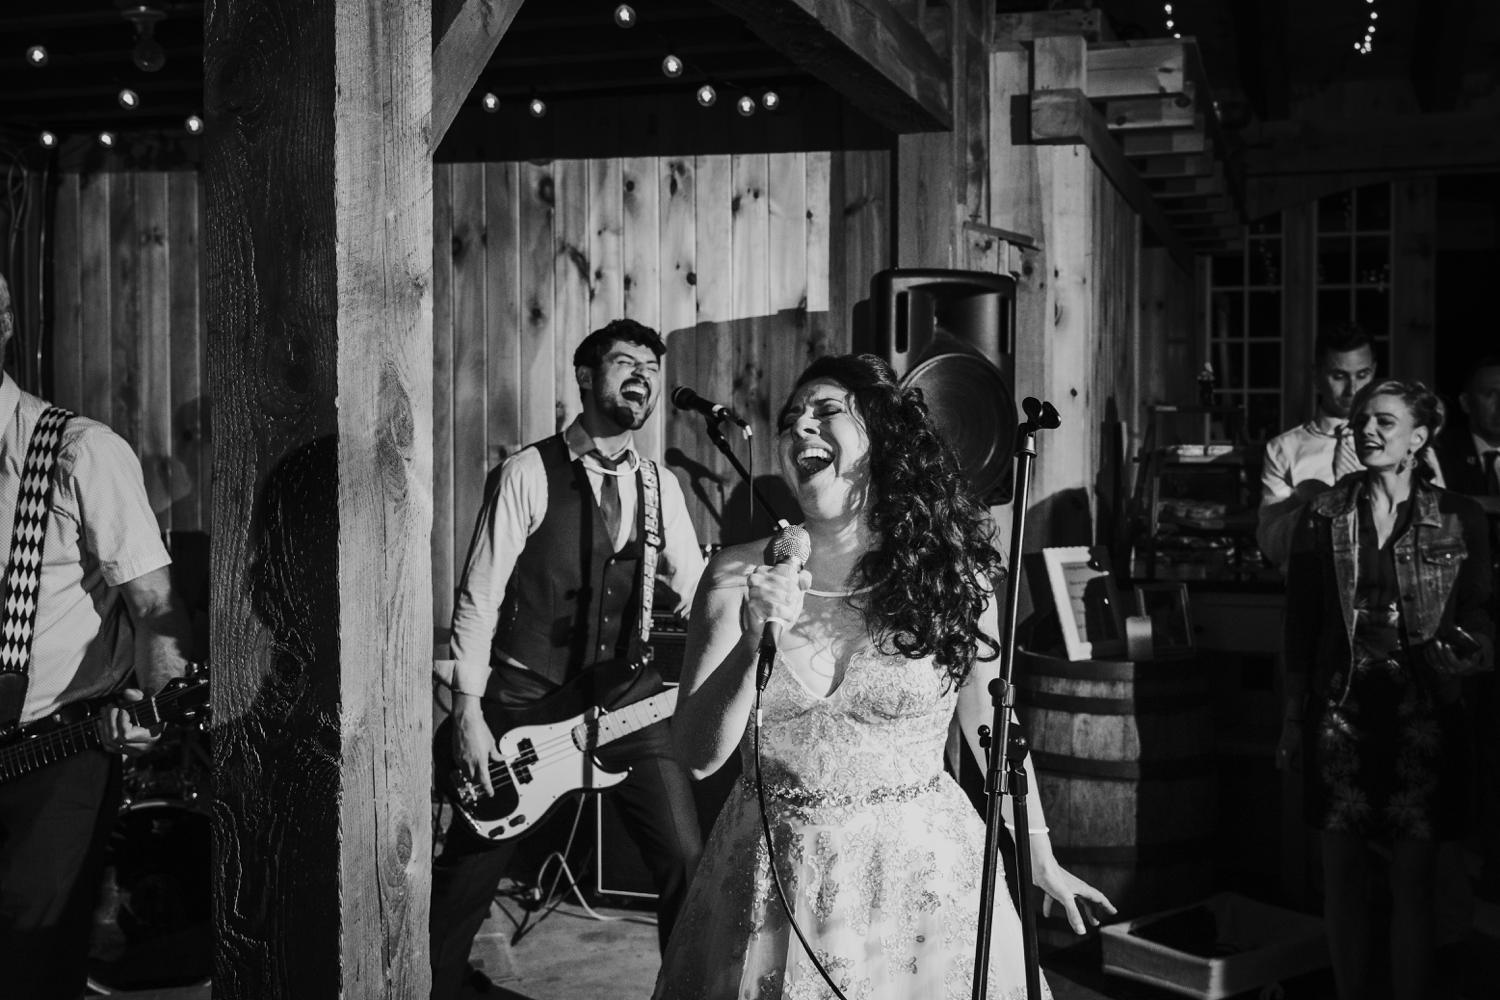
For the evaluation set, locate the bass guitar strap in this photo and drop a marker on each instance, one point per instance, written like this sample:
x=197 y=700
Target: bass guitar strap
x=23 y=573
x=651 y=536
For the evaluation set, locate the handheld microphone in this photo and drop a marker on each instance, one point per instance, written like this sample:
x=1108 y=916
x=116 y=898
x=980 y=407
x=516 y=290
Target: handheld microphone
x=791 y=545
x=686 y=399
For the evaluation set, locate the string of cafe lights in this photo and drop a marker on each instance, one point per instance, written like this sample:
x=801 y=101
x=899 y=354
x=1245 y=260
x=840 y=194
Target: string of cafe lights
x=672 y=67
x=1166 y=10
x=147 y=54
x=1366 y=44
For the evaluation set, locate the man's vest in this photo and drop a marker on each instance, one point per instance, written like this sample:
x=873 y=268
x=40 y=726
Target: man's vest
x=571 y=600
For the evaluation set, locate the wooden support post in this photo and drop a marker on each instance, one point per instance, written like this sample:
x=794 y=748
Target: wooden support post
x=1044 y=191
x=942 y=177
x=1413 y=304
x=318 y=187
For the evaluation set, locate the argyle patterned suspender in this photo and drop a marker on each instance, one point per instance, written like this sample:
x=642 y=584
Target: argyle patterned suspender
x=23 y=574
x=652 y=538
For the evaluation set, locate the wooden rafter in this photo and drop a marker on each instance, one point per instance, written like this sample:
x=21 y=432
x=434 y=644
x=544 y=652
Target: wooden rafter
x=1438 y=38
x=1260 y=34
x=1391 y=144
x=473 y=28
x=1067 y=116
x=867 y=50
x=1132 y=70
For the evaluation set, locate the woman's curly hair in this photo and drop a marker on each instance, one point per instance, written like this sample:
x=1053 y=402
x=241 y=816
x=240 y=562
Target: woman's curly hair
x=934 y=564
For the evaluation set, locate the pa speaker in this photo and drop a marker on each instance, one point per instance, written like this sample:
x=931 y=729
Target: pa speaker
x=952 y=335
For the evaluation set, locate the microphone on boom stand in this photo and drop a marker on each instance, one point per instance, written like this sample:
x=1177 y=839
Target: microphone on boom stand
x=686 y=399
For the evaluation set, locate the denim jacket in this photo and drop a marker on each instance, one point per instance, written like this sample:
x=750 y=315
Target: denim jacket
x=1442 y=571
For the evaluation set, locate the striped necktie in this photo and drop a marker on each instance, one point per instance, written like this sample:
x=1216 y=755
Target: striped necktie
x=609 y=491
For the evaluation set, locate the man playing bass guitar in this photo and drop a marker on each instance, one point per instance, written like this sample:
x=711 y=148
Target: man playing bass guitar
x=555 y=600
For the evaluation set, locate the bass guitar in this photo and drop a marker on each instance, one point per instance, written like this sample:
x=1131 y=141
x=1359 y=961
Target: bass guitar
x=75 y=729
x=541 y=762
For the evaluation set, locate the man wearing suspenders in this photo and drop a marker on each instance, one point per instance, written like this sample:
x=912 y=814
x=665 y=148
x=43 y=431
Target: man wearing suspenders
x=573 y=536
x=87 y=601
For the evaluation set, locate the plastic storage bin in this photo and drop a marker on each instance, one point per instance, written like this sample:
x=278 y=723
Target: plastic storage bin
x=1224 y=945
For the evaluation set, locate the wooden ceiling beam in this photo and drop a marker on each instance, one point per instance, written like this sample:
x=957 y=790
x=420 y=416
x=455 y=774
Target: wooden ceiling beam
x=1205 y=205
x=1389 y=144
x=1437 y=66
x=474 y=29
x=1260 y=36
x=1136 y=69
x=1188 y=187
x=1066 y=116
x=1185 y=165
x=867 y=51
x=1165 y=142
x=1164 y=112
x=1091 y=25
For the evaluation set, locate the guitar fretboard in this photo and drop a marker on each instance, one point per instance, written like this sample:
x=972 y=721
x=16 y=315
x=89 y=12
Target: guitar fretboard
x=595 y=733
x=50 y=745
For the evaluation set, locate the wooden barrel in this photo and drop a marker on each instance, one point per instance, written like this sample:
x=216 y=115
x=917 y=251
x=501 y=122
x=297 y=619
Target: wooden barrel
x=1123 y=754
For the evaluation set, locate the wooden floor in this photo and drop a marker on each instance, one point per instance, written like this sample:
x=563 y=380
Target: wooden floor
x=570 y=955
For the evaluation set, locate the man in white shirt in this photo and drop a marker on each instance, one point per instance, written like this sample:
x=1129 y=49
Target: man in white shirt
x=1316 y=454
x=105 y=613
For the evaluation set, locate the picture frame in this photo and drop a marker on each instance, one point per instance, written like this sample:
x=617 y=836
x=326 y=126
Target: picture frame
x=1087 y=601
x=1166 y=604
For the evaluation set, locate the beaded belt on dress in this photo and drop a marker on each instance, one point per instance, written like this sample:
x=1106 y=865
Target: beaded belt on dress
x=804 y=798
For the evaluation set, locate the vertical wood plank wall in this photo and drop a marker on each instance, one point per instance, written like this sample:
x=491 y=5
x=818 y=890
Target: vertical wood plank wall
x=748 y=264
x=127 y=326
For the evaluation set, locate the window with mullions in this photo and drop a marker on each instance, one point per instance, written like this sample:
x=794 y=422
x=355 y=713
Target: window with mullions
x=1354 y=264
x=1245 y=330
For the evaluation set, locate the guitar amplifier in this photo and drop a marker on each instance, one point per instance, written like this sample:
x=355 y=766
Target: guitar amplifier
x=669 y=643
x=618 y=869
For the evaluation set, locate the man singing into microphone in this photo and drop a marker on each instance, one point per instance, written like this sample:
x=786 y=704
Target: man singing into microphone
x=573 y=536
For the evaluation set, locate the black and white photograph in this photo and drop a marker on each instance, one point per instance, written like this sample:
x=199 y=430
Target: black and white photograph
x=749 y=500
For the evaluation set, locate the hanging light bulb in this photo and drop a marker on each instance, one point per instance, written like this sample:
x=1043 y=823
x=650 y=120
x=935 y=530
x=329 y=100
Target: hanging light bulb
x=625 y=16
x=770 y=100
x=106 y=139
x=671 y=66
x=491 y=102
x=129 y=99
x=47 y=139
x=36 y=56
x=707 y=95
x=193 y=124
x=537 y=107
x=745 y=105
x=148 y=55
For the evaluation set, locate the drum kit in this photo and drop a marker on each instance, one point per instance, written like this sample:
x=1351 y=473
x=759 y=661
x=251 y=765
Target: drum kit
x=153 y=925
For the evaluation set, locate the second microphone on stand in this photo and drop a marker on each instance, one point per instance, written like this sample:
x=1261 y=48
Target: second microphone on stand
x=686 y=399
x=790 y=545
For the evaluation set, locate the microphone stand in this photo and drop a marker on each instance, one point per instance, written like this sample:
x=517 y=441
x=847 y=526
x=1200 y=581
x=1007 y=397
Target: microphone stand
x=715 y=425
x=1007 y=746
